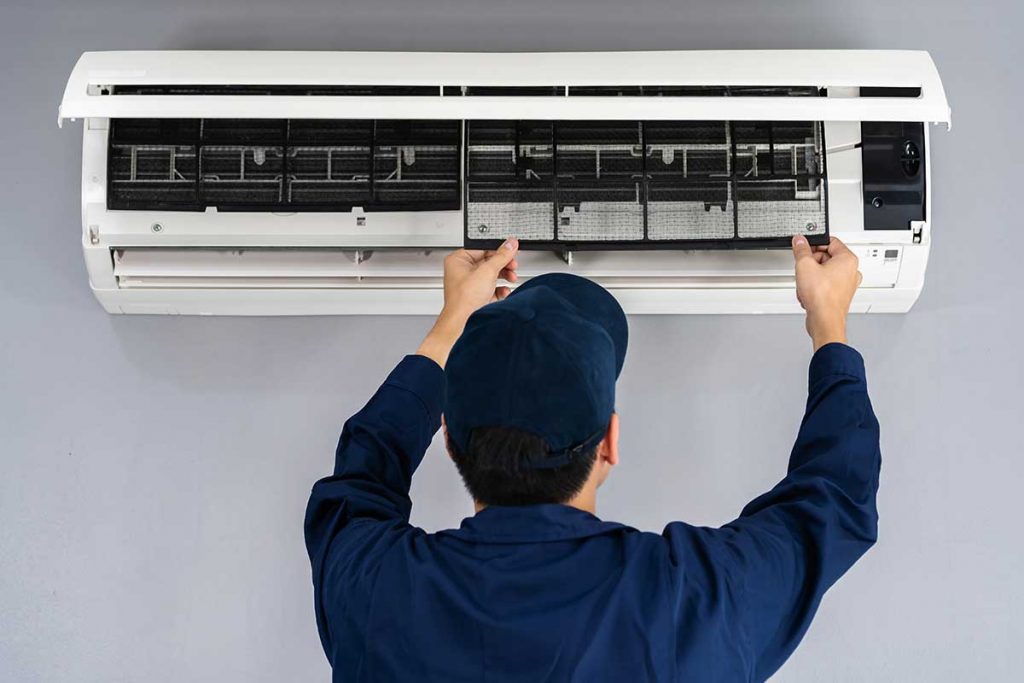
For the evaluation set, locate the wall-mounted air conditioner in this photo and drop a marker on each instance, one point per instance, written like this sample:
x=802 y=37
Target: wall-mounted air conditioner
x=287 y=183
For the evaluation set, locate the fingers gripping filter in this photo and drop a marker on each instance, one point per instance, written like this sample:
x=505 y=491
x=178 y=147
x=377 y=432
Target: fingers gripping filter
x=544 y=361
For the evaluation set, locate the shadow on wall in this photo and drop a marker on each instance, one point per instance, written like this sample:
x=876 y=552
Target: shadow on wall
x=550 y=27
x=305 y=355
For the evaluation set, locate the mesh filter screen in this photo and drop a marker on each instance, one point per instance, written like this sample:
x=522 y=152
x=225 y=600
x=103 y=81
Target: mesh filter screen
x=322 y=174
x=529 y=221
x=692 y=211
x=277 y=164
x=495 y=212
x=143 y=174
x=236 y=174
x=774 y=208
x=646 y=183
x=600 y=212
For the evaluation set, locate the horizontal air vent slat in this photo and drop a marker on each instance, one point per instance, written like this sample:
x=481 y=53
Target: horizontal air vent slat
x=328 y=262
x=670 y=282
x=277 y=90
x=448 y=90
x=333 y=268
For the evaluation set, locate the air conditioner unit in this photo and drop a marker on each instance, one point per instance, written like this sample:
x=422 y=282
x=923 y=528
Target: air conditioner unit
x=296 y=183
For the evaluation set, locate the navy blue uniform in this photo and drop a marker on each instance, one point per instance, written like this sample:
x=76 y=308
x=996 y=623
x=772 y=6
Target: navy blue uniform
x=552 y=593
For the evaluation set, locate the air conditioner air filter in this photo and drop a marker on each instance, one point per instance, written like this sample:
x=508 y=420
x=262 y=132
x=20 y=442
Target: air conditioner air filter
x=648 y=185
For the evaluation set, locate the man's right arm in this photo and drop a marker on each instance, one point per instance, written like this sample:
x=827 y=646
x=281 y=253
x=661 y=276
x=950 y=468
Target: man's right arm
x=827 y=277
x=766 y=572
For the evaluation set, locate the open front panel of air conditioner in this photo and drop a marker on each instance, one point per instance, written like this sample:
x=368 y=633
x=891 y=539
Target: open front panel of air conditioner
x=296 y=183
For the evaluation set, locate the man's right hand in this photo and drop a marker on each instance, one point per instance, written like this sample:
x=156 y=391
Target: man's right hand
x=470 y=281
x=826 y=279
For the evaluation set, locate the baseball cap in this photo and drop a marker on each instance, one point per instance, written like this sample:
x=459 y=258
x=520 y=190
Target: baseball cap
x=544 y=360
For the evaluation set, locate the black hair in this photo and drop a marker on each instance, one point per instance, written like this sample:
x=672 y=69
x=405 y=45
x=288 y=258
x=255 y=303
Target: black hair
x=496 y=468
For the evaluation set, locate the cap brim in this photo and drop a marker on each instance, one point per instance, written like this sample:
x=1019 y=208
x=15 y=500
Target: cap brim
x=594 y=303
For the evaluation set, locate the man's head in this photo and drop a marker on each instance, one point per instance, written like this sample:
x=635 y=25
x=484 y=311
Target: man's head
x=529 y=415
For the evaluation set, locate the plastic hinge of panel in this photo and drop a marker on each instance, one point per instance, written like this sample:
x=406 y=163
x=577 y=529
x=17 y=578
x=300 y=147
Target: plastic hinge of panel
x=918 y=230
x=358 y=256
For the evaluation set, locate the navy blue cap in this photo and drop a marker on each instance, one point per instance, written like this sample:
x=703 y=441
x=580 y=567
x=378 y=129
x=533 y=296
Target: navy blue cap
x=544 y=360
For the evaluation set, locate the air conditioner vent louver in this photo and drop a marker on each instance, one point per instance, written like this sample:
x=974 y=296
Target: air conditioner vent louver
x=693 y=91
x=552 y=90
x=277 y=90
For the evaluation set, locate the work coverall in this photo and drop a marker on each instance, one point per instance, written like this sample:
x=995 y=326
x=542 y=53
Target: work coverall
x=552 y=593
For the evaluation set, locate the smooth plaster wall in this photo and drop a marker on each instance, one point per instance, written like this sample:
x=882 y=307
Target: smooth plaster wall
x=154 y=471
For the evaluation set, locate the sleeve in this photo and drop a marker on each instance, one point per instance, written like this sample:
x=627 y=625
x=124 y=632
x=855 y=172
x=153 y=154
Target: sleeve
x=766 y=572
x=354 y=515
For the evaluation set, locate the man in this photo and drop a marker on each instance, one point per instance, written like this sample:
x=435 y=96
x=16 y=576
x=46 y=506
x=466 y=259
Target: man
x=534 y=587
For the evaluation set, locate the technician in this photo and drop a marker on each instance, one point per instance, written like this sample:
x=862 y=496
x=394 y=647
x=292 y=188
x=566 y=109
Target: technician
x=534 y=586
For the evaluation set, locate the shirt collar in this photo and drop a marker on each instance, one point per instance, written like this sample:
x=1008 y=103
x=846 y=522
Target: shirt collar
x=531 y=523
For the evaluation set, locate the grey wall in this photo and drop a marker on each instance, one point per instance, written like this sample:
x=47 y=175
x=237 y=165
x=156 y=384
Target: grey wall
x=154 y=471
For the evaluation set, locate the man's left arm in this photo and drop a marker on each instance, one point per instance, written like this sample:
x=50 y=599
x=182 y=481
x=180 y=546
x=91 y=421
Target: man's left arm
x=356 y=514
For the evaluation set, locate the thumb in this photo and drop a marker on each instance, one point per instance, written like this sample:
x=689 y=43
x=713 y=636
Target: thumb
x=503 y=255
x=801 y=248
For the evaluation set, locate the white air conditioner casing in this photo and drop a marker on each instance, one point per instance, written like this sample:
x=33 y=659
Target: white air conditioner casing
x=363 y=262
